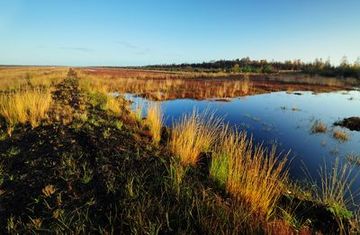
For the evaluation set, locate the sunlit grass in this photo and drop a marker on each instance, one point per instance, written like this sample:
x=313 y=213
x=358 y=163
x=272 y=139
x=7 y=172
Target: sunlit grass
x=162 y=86
x=101 y=97
x=192 y=134
x=318 y=127
x=341 y=135
x=238 y=197
x=254 y=176
x=14 y=78
x=154 y=120
x=138 y=111
x=26 y=95
x=28 y=106
x=113 y=105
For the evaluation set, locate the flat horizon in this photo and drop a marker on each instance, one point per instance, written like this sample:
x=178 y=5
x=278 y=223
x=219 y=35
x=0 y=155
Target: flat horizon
x=89 y=33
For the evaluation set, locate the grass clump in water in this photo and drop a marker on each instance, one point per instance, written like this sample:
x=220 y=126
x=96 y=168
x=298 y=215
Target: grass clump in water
x=318 y=127
x=341 y=135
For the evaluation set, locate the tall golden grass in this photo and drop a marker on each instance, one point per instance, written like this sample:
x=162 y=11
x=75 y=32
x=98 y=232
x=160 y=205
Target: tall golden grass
x=163 y=88
x=253 y=175
x=165 y=85
x=154 y=120
x=112 y=104
x=15 y=78
x=23 y=107
x=193 y=134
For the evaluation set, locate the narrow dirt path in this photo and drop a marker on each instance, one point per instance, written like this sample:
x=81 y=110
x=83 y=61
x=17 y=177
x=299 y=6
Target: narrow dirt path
x=68 y=91
x=68 y=99
x=86 y=161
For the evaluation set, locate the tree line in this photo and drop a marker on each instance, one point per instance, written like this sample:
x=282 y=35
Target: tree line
x=247 y=65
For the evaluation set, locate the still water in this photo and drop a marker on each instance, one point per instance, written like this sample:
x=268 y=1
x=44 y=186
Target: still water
x=284 y=119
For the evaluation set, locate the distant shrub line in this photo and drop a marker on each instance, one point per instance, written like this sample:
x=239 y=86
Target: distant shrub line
x=246 y=65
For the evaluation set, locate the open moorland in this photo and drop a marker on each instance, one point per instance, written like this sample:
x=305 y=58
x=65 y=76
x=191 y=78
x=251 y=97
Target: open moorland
x=78 y=156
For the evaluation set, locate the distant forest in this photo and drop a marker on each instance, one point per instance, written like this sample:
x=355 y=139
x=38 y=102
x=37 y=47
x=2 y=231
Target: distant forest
x=246 y=65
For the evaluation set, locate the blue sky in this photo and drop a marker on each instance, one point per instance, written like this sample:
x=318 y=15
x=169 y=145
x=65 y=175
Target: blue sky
x=89 y=32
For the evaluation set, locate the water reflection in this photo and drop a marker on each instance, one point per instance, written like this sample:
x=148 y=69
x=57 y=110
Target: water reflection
x=285 y=119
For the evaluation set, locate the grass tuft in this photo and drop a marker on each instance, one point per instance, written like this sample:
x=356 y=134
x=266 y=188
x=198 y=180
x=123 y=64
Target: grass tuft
x=155 y=121
x=23 y=107
x=335 y=191
x=113 y=105
x=137 y=112
x=193 y=134
x=341 y=135
x=254 y=176
x=335 y=184
x=318 y=127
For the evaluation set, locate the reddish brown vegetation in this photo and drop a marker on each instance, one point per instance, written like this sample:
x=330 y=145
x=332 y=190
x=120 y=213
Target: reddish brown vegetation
x=165 y=85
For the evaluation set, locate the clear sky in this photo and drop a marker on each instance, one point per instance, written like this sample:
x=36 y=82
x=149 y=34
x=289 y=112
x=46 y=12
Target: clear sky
x=89 y=32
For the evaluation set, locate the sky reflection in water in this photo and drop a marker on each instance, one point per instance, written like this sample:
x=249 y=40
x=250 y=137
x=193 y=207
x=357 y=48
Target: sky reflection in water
x=285 y=119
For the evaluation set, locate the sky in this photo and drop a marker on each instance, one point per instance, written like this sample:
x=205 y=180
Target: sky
x=142 y=32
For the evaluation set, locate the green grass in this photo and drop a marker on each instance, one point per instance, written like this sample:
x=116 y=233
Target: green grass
x=334 y=191
x=176 y=172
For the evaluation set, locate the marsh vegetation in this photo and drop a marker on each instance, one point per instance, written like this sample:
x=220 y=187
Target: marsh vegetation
x=318 y=127
x=75 y=158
